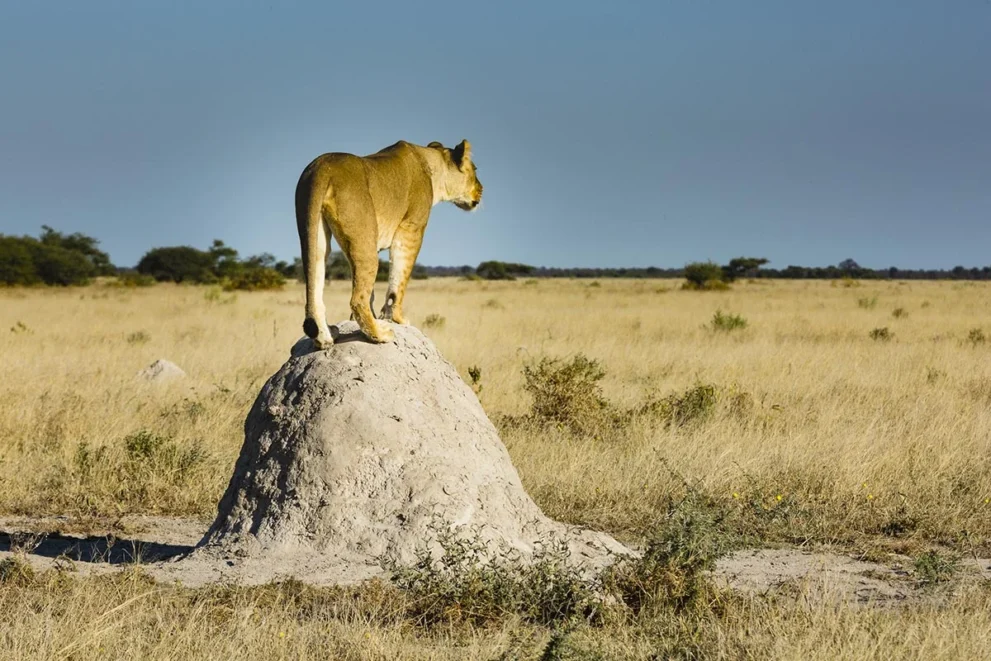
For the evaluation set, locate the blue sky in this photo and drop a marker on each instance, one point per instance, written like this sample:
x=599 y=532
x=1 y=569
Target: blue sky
x=606 y=134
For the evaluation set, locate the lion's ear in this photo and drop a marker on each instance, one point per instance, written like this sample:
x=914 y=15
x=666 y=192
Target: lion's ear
x=461 y=153
x=436 y=145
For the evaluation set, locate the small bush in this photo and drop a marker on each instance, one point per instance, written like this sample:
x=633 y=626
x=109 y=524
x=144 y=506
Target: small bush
x=493 y=304
x=867 y=303
x=566 y=393
x=138 y=337
x=899 y=313
x=135 y=279
x=678 y=553
x=475 y=374
x=976 y=336
x=704 y=276
x=694 y=405
x=881 y=334
x=434 y=321
x=15 y=571
x=595 y=284
x=933 y=567
x=254 y=279
x=471 y=584
x=727 y=322
x=933 y=375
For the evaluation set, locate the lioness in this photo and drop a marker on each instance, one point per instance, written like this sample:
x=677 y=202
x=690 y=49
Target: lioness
x=370 y=203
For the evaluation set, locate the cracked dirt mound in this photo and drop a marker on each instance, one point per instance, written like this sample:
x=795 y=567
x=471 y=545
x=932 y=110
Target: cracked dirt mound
x=355 y=458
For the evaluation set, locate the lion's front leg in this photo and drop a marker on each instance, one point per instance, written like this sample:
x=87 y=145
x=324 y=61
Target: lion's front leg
x=402 y=258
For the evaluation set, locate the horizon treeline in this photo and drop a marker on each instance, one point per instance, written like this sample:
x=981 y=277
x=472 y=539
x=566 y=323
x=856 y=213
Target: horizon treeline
x=56 y=258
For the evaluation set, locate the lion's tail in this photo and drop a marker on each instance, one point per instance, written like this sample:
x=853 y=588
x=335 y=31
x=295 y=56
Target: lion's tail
x=312 y=242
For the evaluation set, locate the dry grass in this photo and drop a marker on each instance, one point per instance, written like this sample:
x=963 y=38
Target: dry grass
x=820 y=434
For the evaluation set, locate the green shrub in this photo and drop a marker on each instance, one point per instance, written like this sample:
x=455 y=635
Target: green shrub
x=694 y=405
x=727 y=322
x=566 y=392
x=704 y=276
x=473 y=584
x=679 y=551
x=899 y=313
x=933 y=567
x=976 y=336
x=255 y=279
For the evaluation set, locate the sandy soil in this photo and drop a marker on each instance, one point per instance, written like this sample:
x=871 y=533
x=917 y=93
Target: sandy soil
x=100 y=546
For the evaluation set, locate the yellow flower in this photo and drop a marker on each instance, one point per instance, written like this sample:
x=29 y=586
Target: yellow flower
x=779 y=497
x=870 y=496
x=282 y=634
x=736 y=495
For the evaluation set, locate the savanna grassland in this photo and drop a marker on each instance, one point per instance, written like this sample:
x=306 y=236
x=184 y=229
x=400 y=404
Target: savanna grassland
x=852 y=416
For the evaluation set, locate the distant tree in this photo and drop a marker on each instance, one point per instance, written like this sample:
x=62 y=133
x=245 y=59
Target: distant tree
x=179 y=264
x=17 y=261
x=52 y=259
x=494 y=270
x=225 y=261
x=743 y=267
x=293 y=270
x=848 y=265
x=81 y=244
x=264 y=260
x=56 y=265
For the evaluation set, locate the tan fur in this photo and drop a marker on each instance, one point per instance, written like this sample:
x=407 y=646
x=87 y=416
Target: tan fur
x=370 y=203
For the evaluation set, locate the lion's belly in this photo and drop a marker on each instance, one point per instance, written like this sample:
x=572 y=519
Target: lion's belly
x=386 y=232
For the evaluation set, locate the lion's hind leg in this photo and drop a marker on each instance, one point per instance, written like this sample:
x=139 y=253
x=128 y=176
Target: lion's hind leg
x=364 y=268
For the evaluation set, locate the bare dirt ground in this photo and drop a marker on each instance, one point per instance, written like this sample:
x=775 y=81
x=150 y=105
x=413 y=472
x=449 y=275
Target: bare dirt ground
x=101 y=546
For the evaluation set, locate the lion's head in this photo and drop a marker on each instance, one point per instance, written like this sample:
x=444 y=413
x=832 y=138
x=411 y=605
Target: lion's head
x=461 y=183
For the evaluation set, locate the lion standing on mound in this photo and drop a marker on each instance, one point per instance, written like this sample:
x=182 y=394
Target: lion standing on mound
x=370 y=203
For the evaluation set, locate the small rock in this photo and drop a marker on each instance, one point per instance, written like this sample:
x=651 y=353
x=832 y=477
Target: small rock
x=161 y=370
